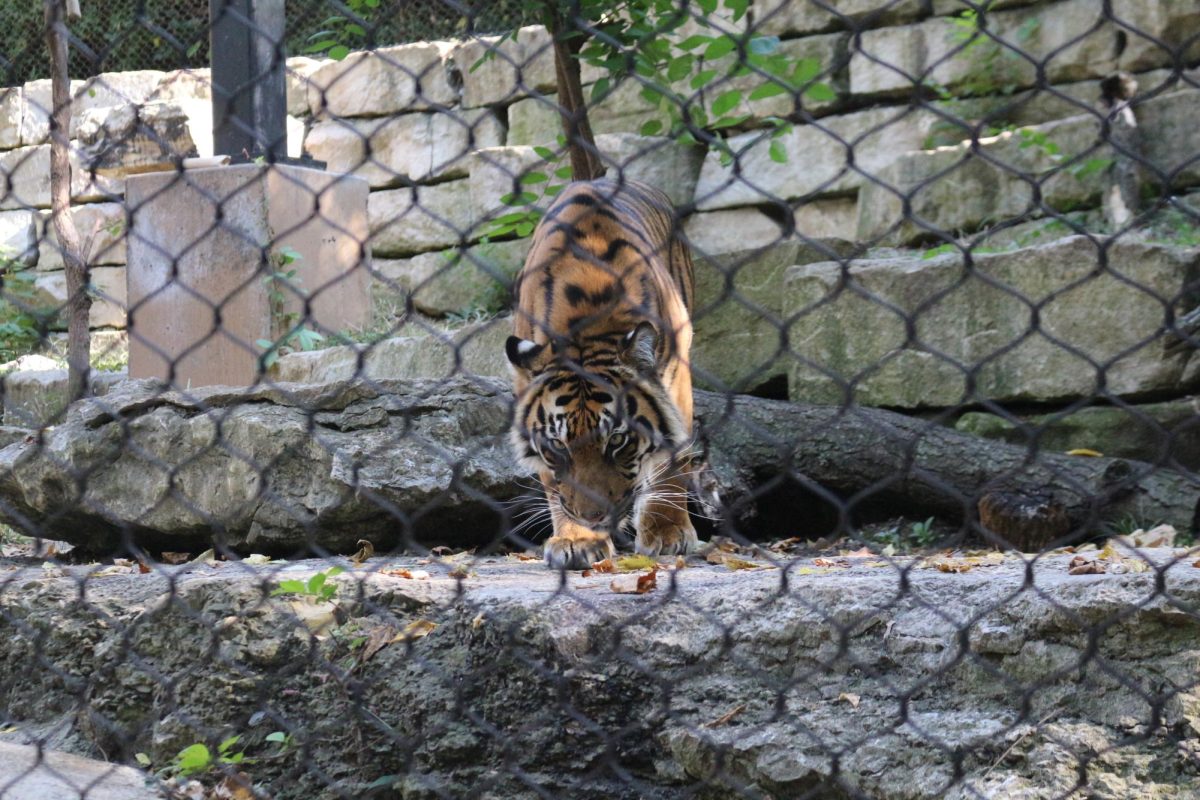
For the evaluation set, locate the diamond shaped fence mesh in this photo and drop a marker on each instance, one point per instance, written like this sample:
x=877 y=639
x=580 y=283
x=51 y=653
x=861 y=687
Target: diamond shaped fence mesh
x=662 y=399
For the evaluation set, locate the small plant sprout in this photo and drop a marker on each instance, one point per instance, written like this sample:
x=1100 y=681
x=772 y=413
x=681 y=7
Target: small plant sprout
x=922 y=533
x=197 y=759
x=316 y=587
x=285 y=325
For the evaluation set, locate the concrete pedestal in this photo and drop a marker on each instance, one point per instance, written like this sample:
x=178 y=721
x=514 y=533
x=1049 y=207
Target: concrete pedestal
x=203 y=241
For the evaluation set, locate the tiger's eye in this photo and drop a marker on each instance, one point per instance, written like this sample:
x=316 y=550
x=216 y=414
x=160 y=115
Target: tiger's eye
x=617 y=441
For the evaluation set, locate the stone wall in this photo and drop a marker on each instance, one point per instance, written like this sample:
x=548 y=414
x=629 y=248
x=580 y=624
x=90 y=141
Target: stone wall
x=985 y=155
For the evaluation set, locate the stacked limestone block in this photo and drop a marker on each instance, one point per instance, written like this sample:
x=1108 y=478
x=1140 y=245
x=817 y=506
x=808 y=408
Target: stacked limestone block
x=918 y=108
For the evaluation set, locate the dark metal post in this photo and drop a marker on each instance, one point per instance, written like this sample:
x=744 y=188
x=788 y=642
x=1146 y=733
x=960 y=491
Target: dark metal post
x=249 y=94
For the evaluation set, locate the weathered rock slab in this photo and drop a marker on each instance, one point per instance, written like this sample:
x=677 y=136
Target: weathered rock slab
x=34 y=773
x=1016 y=326
x=386 y=80
x=388 y=151
x=818 y=158
x=791 y=681
x=415 y=351
x=421 y=218
x=740 y=340
x=1161 y=433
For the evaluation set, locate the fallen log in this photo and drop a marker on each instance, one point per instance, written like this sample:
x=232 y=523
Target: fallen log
x=291 y=468
x=866 y=457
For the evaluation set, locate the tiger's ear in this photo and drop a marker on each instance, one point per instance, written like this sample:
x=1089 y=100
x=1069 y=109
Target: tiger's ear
x=640 y=348
x=524 y=354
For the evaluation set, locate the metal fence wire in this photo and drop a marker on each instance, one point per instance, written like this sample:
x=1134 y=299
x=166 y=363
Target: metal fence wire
x=840 y=442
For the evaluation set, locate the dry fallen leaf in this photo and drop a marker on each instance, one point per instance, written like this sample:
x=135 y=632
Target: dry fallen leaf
x=478 y=622
x=603 y=566
x=380 y=637
x=725 y=718
x=828 y=562
x=852 y=699
x=442 y=550
x=256 y=559
x=1084 y=451
x=680 y=562
x=862 y=552
x=233 y=787
x=365 y=551
x=525 y=557
x=1083 y=566
x=587 y=573
x=402 y=572
x=143 y=567
x=635 y=584
x=169 y=557
x=735 y=563
x=415 y=630
x=1196 y=564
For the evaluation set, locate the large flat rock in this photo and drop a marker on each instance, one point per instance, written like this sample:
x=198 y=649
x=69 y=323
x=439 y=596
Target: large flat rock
x=887 y=679
x=1032 y=172
x=1067 y=320
x=33 y=773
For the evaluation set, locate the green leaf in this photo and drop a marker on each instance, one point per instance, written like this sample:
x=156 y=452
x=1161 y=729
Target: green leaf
x=726 y=102
x=651 y=127
x=335 y=571
x=821 y=92
x=707 y=6
x=806 y=69
x=319 y=47
x=776 y=152
x=533 y=178
x=266 y=344
x=316 y=582
x=192 y=759
x=727 y=122
x=520 y=199
x=600 y=88
x=289 y=587
x=524 y=229
x=545 y=153
x=720 y=47
x=277 y=736
x=357 y=30
x=339 y=52
x=564 y=173
x=694 y=41
x=142 y=759
x=679 y=67
x=650 y=95
x=225 y=746
x=703 y=78
x=770 y=89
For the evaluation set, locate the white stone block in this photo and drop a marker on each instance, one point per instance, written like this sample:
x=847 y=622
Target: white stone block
x=388 y=80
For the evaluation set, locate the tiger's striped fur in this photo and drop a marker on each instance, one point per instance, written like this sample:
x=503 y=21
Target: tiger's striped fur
x=603 y=385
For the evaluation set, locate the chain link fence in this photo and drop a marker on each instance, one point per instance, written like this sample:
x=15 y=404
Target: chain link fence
x=840 y=442
x=126 y=35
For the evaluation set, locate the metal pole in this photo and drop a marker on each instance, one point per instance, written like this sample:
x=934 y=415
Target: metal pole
x=249 y=94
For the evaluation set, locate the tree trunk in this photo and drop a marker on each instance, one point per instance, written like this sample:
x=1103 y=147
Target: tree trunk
x=79 y=302
x=572 y=106
x=768 y=454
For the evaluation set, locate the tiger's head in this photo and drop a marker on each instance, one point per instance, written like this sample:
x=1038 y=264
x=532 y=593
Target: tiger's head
x=596 y=422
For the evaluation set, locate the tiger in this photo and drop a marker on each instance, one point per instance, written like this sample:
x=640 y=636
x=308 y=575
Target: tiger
x=602 y=381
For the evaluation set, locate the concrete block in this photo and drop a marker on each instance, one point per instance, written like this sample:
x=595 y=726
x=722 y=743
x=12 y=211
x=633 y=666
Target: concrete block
x=184 y=266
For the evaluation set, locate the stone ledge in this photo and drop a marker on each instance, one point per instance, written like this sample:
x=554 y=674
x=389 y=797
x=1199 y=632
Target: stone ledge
x=1016 y=704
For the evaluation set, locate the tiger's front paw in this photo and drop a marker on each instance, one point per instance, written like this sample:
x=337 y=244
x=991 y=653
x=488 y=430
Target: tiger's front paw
x=666 y=538
x=577 y=549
